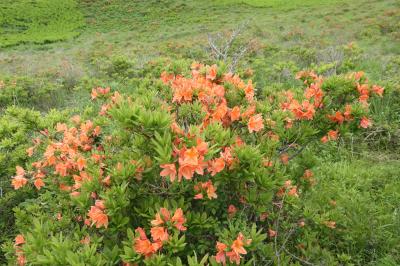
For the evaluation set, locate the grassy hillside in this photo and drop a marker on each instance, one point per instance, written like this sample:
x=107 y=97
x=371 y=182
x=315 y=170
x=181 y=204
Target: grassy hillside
x=41 y=21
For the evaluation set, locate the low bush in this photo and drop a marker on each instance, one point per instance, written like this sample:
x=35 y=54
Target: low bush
x=191 y=169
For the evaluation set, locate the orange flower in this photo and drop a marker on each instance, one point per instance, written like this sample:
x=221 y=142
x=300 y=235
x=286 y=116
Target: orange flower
x=337 y=118
x=233 y=257
x=330 y=224
x=178 y=220
x=271 y=233
x=235 y=113
x=191 y=156
x=19 y=239
x=98 y=217
x=219 y=91
x=249 y=91
x=217 y=165
x=208 y=187
x=255 y=123
x=308 y=174
x=202 y=147
x=168 y=170
x=19 y=180
x=365 y=122
x=220 y=256
x=20 y=171
x=145 y=247
x=160 y=220
x=159 y=234
x=81 y=163
x=231 y=210
x=30 y=151
x=94 y=94
x=212 y=72
x=39 y=183
x=347 y=113
x=293 y=192
x=284 y=158
x=21 y=260
x=237 y=245
x=85 y=240
x=378 y=90
x=333 y=134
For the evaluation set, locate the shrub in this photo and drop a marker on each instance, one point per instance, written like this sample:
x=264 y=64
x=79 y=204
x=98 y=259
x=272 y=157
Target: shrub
x=26 y=91
x=147 y=181
x=18 y=127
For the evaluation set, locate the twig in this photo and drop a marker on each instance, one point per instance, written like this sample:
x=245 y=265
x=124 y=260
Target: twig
x=297 y=258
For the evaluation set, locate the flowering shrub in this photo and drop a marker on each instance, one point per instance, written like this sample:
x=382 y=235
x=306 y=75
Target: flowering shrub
x=195 y=165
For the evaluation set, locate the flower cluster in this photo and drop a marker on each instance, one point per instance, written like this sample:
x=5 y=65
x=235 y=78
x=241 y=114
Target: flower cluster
x=159 y=231
x=210 y=91
x=233 y=252
x=19 y=242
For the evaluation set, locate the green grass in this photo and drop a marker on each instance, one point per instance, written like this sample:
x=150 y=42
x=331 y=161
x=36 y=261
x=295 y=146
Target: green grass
x=286 y=4
x=366 y=209
x=40 y=21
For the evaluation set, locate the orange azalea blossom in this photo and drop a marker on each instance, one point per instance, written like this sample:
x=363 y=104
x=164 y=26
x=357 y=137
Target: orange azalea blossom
x=249 y=91
x=231 y=210
x=308 y=175
x=337 y=118
x=289 y=123
x=162 y=217
x=178 y=220
x=378 y=90
x=237 y=245
x=314 y=92
x=363 y=89
x=143 y=245
x=208 y=187
x=85 y=240
x=21 y=260
x=226 y=154
x=271 y=233
x=255 y=123
x=234 y=255
x=212 y=72
x=19 y=180
x=216 y=166
x=365 y=122
x=249 y=112
x=39 y=183
x=19 y=240
x=220 y=256
x=284 y=158
x=333 y=134
x=159 y=234
x=330 y=224
x=169 y=170
x=98 y=217
x=235 y=113
x=347 y=113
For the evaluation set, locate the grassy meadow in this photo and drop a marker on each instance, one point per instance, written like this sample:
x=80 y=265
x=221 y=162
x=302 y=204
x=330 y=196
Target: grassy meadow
x=52 y=53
